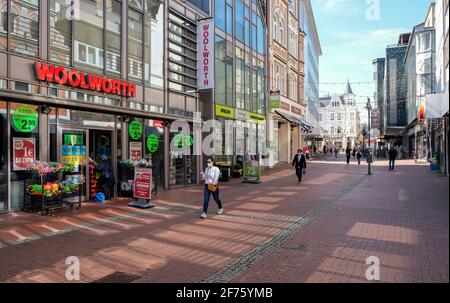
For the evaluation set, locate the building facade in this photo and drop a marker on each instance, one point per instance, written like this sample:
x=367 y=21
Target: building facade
x=395 y=89
x=339 y=118
x=420 y=64
x=312 y=52
x=437 y=104
x=378 y=95
x=89 y=78
x=240 y=77
x=286 y=60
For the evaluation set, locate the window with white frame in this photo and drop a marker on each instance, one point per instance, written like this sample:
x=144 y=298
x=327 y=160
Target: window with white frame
x=293 y=41
x=88 y=54
x=278 y=27
x=339 y=116
x=332 y=117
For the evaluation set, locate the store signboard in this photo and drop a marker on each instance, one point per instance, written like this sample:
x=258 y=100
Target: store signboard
x=25 y=119
x=224 y=111
x=24 y=152
x=74 y=78
x=142 y=183
x=251 y=166
x=205 y=54
x=135 y=151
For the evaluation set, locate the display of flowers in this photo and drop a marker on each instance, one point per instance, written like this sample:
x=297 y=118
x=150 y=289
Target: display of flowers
x=43 y=168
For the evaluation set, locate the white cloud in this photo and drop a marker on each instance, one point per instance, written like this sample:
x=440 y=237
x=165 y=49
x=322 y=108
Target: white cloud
x=331 y=5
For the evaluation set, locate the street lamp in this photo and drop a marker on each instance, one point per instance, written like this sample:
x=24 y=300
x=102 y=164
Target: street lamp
x=369 y=154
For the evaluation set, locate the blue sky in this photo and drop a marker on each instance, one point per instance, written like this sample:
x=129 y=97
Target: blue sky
x=350 y=40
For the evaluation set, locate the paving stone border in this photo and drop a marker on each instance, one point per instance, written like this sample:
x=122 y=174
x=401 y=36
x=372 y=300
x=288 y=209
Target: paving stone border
x=248 y=259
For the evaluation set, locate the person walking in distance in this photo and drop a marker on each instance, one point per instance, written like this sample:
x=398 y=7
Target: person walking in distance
x=348 y=153
x=359 y=155
x=336 y=152
x=211 y=178
x=299 y=163
x=392 y=156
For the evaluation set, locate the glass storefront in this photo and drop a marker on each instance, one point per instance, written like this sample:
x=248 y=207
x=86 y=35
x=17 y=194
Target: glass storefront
x=182 y=167
x=3 y=157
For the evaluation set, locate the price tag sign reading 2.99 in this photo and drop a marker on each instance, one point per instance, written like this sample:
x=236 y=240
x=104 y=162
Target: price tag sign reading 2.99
x=25 y=119
x=135 y=130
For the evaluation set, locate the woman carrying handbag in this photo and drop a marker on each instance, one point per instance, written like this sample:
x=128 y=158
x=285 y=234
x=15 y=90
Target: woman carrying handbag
x=211 y=178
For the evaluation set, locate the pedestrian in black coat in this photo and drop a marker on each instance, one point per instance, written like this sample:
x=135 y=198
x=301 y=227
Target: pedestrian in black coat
x=107 y=180
x=392 y=156
x=299 y=163
x=348 y=152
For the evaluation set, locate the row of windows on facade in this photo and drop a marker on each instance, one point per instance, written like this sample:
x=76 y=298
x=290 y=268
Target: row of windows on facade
x=247 y=75
x=242 y=22
x=338 y=116
x=89 y=35
x=338 y=130
x=285 y=84
x=279 y=33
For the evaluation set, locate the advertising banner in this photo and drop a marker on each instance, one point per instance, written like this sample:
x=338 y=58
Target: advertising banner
x=375 y=118
x=135 y=151
x=142 y=183
x=205 y=54
x=24 y=152
x=251 y=166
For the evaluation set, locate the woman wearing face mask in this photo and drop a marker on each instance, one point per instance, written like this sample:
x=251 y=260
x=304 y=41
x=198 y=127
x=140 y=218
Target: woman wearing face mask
x=300 y=165
x=211 y=178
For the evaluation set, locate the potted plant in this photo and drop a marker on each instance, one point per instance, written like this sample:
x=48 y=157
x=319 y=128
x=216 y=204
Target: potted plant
x=237 y=171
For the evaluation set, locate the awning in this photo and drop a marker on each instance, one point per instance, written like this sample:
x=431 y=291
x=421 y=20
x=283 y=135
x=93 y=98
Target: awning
x=393 y=131
x=306 y=128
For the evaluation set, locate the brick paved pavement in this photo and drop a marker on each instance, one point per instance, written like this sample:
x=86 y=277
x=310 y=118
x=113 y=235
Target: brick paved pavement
x=320 y=231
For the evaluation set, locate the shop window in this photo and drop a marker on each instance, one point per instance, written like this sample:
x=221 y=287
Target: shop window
x=3 y=157
x=135 y=45
x=24 y=144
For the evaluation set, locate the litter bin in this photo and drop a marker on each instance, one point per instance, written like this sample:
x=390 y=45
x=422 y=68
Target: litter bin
x=225 y=172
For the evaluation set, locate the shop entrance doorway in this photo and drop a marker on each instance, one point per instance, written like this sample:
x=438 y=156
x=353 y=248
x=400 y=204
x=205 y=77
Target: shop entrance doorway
x=84 y=148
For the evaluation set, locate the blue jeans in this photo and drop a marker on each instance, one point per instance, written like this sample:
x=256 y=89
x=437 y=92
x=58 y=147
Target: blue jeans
x=207 y=194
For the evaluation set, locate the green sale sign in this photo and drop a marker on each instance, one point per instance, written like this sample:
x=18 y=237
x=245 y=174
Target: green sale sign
x=25 y=119
x=135 y=129
x=152 y=143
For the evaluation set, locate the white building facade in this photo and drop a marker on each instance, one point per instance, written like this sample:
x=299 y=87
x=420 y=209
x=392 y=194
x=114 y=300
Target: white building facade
x=339 y=119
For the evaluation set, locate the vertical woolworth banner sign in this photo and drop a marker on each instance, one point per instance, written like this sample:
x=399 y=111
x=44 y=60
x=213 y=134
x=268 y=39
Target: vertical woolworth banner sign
x=205 y=54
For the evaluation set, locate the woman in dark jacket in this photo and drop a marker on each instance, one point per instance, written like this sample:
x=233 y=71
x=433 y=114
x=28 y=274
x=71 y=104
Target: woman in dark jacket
x=107 y=180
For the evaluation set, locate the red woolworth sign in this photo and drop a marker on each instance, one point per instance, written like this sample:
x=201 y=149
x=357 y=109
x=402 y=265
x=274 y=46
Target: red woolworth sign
x=74 y=78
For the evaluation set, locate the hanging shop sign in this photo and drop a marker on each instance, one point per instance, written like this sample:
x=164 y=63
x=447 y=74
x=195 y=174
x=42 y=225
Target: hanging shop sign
x=275 y=100
x=152 y=143
x=135 y=151
x=224 y=111
x=205 y=54
x=24 y=152
x=135 y=129
x=25 y=119
x=375 y=118
x=74 y=78
x=142 y=183
x=421 y=113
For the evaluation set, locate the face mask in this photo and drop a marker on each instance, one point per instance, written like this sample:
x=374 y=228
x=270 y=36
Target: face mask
x=210 y=164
